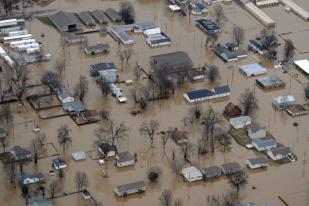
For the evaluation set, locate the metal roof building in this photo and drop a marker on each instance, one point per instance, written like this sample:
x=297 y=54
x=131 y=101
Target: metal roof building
x=270 y=82
x=130 y=188
x=113 y=14
x=303 y=65
x=100 y=16
x=120 y=33
x=86 y=18
x=259 y=14
x=207 y=94
x=252 y=69
x=98 y=48
x=66 y=21
x=297 y=9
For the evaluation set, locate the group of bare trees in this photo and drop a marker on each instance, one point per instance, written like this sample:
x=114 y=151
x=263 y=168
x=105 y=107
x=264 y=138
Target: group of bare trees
x=248 y=102
x=212 y=73
x=64 y=138
x=37 y=146
x=125 y=55
x=149 y=130
x=127 y=12
x=81 y=88
x=166 y=199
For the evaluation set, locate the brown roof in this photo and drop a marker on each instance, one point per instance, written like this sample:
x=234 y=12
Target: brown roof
x=231 y=110
x=296 y=108
x=180 y=137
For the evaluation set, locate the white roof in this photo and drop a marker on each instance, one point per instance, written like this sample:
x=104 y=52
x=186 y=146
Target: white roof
x=152 y=31
x=303 y=65
x=191 y=172
x=253 y=69
x=174 y=7
x=283 y=99
x=240 y=120
x=80 y=155
x=258 y=13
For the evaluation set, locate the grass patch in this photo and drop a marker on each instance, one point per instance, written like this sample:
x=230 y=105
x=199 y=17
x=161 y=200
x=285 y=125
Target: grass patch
x=240 y=136
x=46 y=20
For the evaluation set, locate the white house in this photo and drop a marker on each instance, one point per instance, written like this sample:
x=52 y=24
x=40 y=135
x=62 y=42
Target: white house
x=279 y=153
x=80 y=155
x=265 y=143
x=124 y=159
x=240 y=122
x=256 y=162
x=59 y=163
x=107 y=150
x=64 y=96
x=207 y=94
x=29 y=179
x=282 y=102
x=192 y=174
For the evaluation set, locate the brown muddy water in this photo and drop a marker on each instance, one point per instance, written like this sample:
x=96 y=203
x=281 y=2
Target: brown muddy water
x=290 y=181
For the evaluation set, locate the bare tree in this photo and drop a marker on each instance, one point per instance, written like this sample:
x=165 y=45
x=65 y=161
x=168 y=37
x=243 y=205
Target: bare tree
x=60 y=67
x=165 y=136
x=289 y=49
x=49 y=79
x=248 y=102
x=4 y=143
x=137 y=72
x=128 y=53
x=127 y=12
x=36 y=148
x=226 y=141
x=306 y=90
x=110 y=133
x=104 y=86
x=53 y=189
x=149 y=129
x=81 y=88
x=218 y=13
x=6 y=113
x=121 y=57
x=63 y=136
x=11 y=172
x=154 y=173
x=166 y=198
x=211 y=39
x=238 y=35
x=81 y=180
x=213 y=74
x=177 y=164
x=178 y=202
x=220 y=200
x=238 y=180
x=188 y=151
x=211 y=120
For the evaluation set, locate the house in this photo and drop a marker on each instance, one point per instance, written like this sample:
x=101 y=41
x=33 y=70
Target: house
x=80 y=155
x=3 y=134
x=143 y=26
x=73 y=107
x=86 y=18
x=240 y=122
x=211 y=172
x=303 y=65
x=90 y=116
x=180 y=137
x=228 y=53
x=59 y=163
x=117 y=92
x=196 y=74
x=18 y=153
x=272 y=40
x=231 y=110
x=296 y=110
x=159 y=39
x=256 y=47
x=280 y=153
x=255 y=131
x=95 y=68
x=66 y=21
x=29 y=179
x=120 y=33
x=264 y=143
x=198 y=9
x=113 y=15
x=100 y=16
x=40 y=202
x=207 y=26
x=252 y=70
x=206 y=94
x=108 y=75
x=272 y=82
x=256 y=162
x=281 y=102
x=124 y=159
x=172 y=62
x=73 y=38
x=130 y=188
x=230 y=168
x=64 y=95
x=86 y=194
x=266 y=3
x=192 y=174
x=98 y=48
x=107 y=150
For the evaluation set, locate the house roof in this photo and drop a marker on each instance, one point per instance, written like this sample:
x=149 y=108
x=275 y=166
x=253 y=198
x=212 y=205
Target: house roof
x=80 y=155
x=74 y=107
x=229 y=55
x=18 y=151
x=86 y=18
x=284 y=151
x=283 y=99
x=32 y=176
x=258 y=160
x=270 y=81
x=208 y=25
x=98 y=47
x=107 y=147
x=113 y=14
x=231 y=167
x=240 y=120
x=103 y=66
x=296 y=108
x=63 y=19
x=42 y=202
x=58 y=161
x=265 y=142
x=254 y=127
x=232 y=110
x=2 y=133
x=212 y=171
x=172 y=62
x=124 y=157
x=100 y=16
x=303 y=65
x=202 y=93
x=252 y=69
x=191 y=171
x=131 y=186
x=72 y=37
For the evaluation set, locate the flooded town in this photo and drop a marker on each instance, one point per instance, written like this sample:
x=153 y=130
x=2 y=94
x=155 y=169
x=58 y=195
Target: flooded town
x=154 y=102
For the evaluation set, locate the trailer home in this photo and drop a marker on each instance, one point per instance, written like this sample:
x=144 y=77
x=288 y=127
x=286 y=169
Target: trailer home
x=9 y=39
x=17 y=33
x=14 y=44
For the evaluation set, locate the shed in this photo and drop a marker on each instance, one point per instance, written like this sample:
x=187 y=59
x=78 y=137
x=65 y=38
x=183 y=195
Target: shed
x=264 y=143
x=192 y=174
x=230 y=168
x=279 y=153
x=113 y=14
x=98 y=48
x=211 y=172
x=272 y=82
x=59 y=163
x=296 y=110
x=124 y=159
x=100 y=16
x=281 y=102
x=256 y=162
x=303 y=65
x=252 y=70
x=66 y=21
x=255 y=131
x=80 y=155
x=107 y=149
x=86 y=194
x=231 y=110
x=130 y=188
x=240 y=122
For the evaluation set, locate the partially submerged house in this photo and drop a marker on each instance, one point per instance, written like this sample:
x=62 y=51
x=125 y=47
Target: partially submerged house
x=229 y=52
x=40 y=202
x=113 y=15
x=231 y=110
x=240 y=122
x=64 y=95
x=107 y=150
x=100 y=16
x=252 y=70
x=280 y=153
x=86 y=18
x=66 y=21
x=124 y=159
x=130 y=188
x=59 y=163
x=257 y=47
x=264 y=143
x=256 y=162
x=17 y=153
x=98 y=48
x=211 y=172
x=230 y=168
x=207 y=26
x=120 y=33
x=107 y=67
x=29 y=179
x=198 y=8
x=192 y=174
x=272 y=82
x=80 y=155
x=282 y=102
x=73 y=107
x=255 y=131
x=207 y=94
x=73 y=38
x=296 y=110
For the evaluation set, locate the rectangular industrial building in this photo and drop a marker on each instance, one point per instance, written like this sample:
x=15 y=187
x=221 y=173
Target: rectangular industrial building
x=207 y=94
x=66 y=21
x=297 y=9
x=252 y=70
x=260 y=15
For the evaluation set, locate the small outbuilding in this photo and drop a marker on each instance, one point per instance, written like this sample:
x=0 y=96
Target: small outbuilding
x=29 y=179
x=240 y=122
x=80 y=155
x=59 y=163
x=192 y=174
x=18 y=153
x=124 y=159
x=282 y=102
x=130 y=188
x=252 y=70
x=211 y=172
x=256 y=162
x=86 y=194
x=230 y=168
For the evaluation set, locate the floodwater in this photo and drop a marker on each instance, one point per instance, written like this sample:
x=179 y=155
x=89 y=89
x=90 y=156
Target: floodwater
x=290 y=181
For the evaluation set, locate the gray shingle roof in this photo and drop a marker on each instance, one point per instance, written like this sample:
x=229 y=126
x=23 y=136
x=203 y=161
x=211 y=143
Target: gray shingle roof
x=63 y=19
